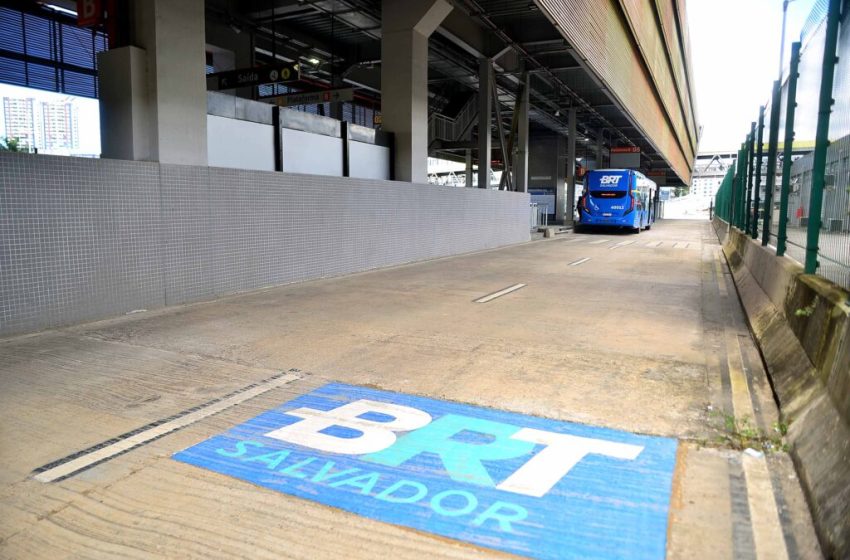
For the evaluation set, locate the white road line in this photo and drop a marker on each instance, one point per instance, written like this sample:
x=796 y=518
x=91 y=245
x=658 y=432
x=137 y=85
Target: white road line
x=654 y=244
x=67 y=469
x=681 y=245
x=598 y=241
x=575 y=239
x=764 y=516
x=580 y=261
x=500 y=293
x=621 y=244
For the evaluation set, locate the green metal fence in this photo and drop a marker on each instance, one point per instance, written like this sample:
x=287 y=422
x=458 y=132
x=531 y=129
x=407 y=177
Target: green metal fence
x=791 y=186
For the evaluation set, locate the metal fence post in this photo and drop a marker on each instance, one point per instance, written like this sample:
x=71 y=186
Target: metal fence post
x=822 y=135
x=791 y=105
x=772 y=146
x=742 y=184
x=728 y=197
x=731 y=197
x=759 y=152
x=751 y=141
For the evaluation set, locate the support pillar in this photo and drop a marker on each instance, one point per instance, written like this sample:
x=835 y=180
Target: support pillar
x=164 y=102
x=468 y=171
x=336 y=106
x=230 y=51
x=405 y=28
x=485 y=110
x=521 y=156
x=571 y=168
x=599 y=148
x=560 y=180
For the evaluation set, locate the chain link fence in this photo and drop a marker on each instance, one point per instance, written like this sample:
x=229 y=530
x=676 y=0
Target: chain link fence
x=790 y=186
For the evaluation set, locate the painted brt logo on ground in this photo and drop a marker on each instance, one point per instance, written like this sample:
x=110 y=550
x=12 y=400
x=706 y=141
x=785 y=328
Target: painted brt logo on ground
x=507 y=481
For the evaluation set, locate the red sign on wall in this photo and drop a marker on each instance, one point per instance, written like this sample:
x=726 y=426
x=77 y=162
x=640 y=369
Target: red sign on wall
x=625 y=150
x=89 y=13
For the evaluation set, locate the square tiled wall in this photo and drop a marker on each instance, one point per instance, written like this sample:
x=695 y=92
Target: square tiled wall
x=79 y=240
x=85 y=239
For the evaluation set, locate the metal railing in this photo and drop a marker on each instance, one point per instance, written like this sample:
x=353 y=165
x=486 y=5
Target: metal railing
x=539 y=215
x=790 y=185
x=441 y=127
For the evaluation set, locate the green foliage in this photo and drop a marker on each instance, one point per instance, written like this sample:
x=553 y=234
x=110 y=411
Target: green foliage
x=10 y=145
x=742 y=434
x=808 y=310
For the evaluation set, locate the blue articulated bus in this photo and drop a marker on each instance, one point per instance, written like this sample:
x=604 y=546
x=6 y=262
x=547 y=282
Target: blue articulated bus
x=617 y=198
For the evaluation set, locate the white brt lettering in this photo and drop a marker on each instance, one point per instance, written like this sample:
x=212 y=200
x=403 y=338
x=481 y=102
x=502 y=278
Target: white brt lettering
x=535 y=477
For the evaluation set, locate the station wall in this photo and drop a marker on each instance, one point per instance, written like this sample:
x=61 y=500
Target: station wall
x=84 y=239
x=240 y=144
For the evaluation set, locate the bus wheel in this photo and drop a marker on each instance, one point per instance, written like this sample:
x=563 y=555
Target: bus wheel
x=636 y=230
x=648 y=226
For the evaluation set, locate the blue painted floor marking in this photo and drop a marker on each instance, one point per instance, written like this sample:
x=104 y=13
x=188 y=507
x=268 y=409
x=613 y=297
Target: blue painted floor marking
x=512 y=482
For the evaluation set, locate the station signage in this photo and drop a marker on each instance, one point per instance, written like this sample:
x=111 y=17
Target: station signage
x=511 y=482
x=89 y=13
x=313 y=97
x=272 y=74
x=625 y=157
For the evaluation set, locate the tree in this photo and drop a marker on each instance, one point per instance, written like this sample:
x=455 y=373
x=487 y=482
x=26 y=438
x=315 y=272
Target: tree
x=10 y=145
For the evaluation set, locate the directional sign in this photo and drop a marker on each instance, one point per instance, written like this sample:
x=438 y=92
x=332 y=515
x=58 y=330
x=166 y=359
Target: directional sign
x=511 y=482
x=278 y=73
x=312 y=97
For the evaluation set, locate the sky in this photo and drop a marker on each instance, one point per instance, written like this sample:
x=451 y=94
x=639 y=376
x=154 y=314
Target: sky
x=735 y=59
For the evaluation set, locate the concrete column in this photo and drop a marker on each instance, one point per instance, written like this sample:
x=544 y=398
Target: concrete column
x=405 y=28
x=560 y=182
x=230 y=51
x=336 y=106
x=468 y=171
x=125 y=119
x=571 y=166
x=599 y=154
x=170 y=40
x=521 y=155
x=485 y=111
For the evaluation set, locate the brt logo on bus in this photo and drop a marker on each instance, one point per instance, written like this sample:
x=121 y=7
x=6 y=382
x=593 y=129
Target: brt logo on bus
x=513 y=482
x=610 y=180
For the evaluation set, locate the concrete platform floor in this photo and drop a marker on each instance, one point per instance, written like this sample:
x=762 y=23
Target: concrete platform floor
x=646 y=335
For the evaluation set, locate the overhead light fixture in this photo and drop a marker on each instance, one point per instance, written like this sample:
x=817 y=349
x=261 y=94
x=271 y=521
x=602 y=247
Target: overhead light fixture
x=314 y=61
x=557 y=113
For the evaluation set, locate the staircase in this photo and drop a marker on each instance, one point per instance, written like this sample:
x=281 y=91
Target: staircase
x=441 y=127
